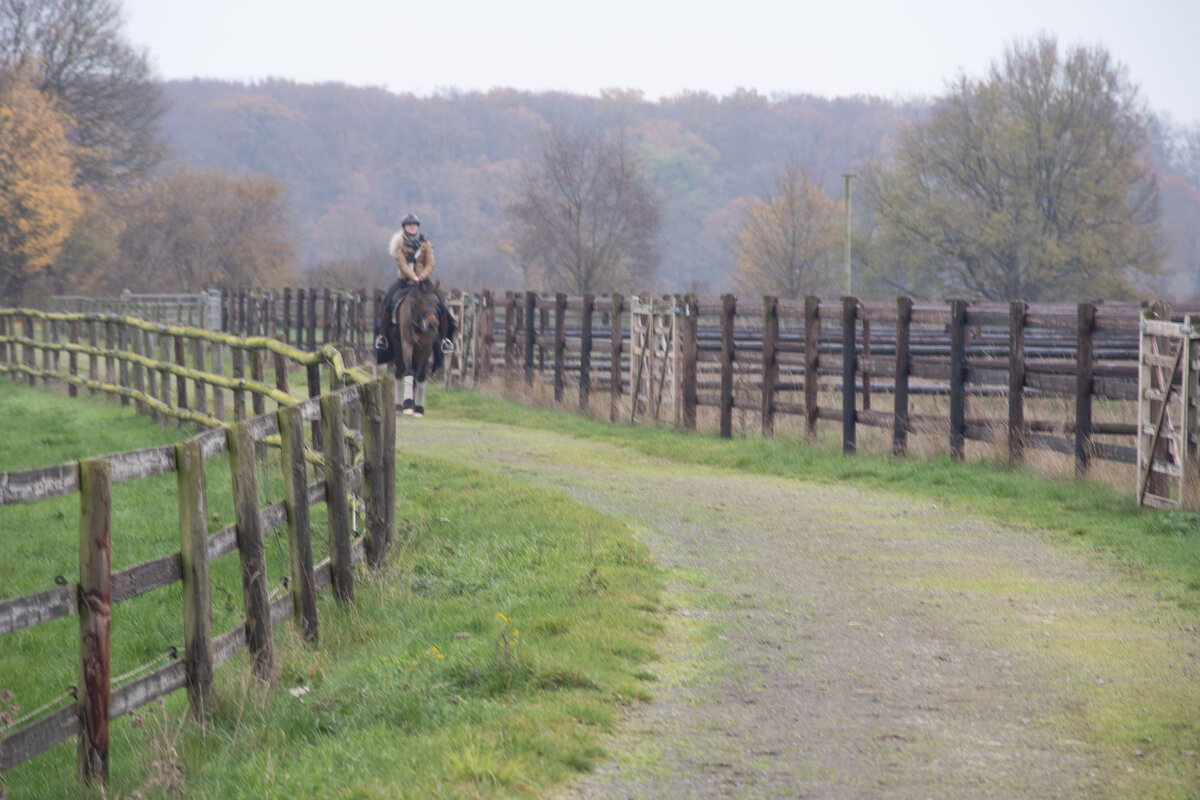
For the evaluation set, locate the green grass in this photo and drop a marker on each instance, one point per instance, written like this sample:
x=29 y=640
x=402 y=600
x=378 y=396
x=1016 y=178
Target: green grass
x=499 y=645
x=490 y=657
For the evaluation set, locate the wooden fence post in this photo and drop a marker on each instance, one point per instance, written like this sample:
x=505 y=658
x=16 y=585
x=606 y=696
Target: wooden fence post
x=387 y=402
x=239 y=374
x=770 y=364
x=313 y=377
x=904 y=307
x=217 y=361
x=616 y=375
x=849 y=371
x=1016 y=380
x=250 y=549
x=1084 y=368
x=4 y=359
x=327 y=319
x=487 y=316
x=812 y=379
x=164 y=373
x=95 y=618
x=72 y=359
x=300 y=317
x=958 y=370
x=198 y=386
x=312 y=320
x=180 y=381
x=560 y=343
x=585 y=351
x=193 y=559
x=151 y=376
x=287 y=315
x=93 y=359
x=257 y=401
x=375 y=489
x=122 y=362
x=530 y=335
x=336 y=504
x=510 y=337
x=688 y=356
x=295 y=498
x=728 y=313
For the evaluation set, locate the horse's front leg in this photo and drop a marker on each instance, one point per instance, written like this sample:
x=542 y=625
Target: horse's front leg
x=419 y=397
x=406 y=392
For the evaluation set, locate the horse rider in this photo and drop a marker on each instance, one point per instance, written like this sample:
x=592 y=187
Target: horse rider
x=413 y=252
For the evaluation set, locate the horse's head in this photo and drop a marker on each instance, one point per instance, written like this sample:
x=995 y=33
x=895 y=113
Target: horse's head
x=426 y=316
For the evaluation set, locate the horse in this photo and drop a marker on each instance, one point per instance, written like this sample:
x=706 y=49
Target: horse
x=413 y=337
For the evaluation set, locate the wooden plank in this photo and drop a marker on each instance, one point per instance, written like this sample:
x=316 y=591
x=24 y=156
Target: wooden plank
x=141 y=578
x=149 y=688
x=26 y=486
x=38 y=737
x=229 y=644
x=34 y=609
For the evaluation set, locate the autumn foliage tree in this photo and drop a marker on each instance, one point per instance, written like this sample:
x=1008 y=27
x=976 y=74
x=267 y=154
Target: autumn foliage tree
x=1029 y=184
x=196 y=229
x=74 y=53
x=586 y=217
x=785 y=244
x=38 y=203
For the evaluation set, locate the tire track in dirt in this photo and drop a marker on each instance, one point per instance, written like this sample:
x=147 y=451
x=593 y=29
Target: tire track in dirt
x=827 y=641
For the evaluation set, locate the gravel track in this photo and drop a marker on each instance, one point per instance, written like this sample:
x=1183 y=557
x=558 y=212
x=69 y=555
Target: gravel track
x=826 y=641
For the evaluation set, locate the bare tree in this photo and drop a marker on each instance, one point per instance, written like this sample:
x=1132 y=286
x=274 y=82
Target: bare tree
x=74 y=53
x=587 y=217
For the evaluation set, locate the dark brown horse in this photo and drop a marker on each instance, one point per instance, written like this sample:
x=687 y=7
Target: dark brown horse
x=413 y=338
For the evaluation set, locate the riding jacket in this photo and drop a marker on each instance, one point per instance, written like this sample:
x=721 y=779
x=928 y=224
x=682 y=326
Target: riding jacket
x=421 y=267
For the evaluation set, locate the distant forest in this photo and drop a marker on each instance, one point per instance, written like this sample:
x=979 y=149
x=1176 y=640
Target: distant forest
x=354 y=161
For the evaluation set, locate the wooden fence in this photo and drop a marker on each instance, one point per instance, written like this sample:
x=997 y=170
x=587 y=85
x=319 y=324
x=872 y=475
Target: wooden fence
x=1022 y=376
x=165 y=370
x=760 y=361
x=367 y=406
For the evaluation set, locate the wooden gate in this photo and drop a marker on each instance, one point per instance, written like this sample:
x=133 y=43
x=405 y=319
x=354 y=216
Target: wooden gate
x=653 y=354
x=1168 y=422
x=460 y=362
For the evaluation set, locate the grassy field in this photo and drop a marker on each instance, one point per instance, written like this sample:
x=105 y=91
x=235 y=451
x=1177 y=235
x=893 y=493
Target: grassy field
x=500 y=644
x=490 y=657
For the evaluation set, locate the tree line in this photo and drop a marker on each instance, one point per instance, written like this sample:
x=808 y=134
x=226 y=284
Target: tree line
x=1046 y=178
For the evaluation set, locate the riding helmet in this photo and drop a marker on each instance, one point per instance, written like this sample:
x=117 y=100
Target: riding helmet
x=411 y=218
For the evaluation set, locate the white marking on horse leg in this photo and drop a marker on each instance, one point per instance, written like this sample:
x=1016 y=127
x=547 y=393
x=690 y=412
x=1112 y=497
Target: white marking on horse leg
x=408 y=394
x=419 y=394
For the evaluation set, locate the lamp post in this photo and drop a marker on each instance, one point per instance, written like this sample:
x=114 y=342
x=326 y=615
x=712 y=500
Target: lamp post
x=848 y=176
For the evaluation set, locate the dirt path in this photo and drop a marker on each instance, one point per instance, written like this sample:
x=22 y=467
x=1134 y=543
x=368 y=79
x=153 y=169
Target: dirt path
x=831 y=642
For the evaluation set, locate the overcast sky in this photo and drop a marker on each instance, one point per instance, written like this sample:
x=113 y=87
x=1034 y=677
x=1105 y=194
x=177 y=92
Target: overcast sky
x=895 y=50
